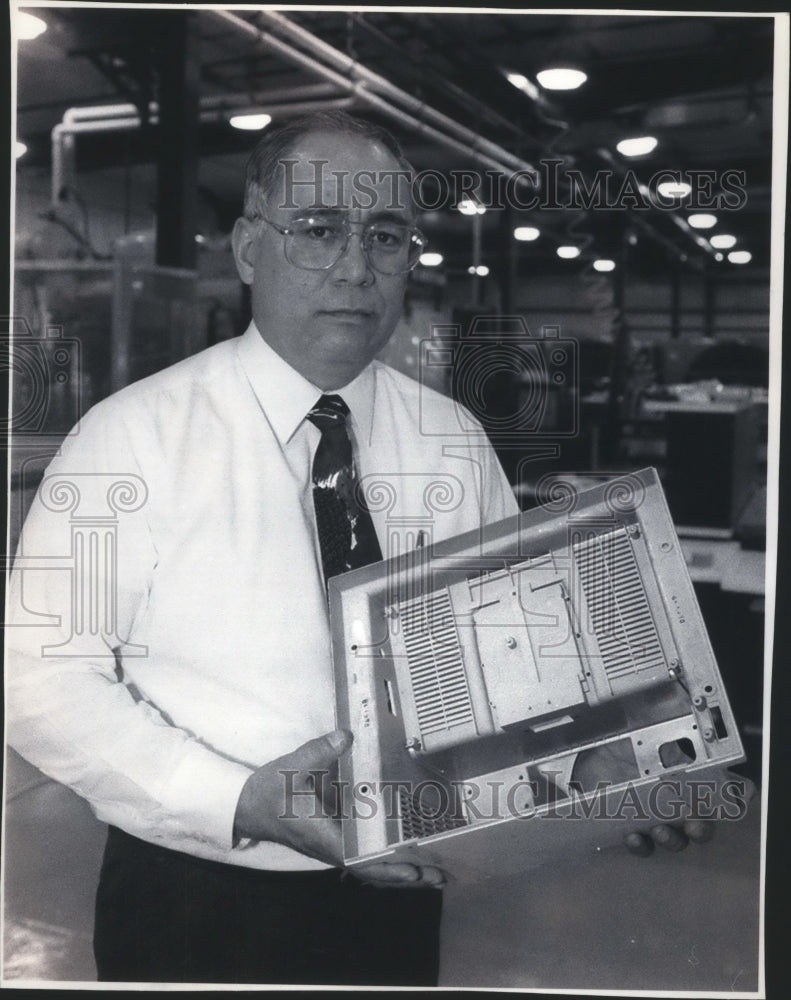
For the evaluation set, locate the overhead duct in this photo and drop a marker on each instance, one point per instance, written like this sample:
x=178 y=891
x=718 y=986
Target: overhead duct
x=123 y=117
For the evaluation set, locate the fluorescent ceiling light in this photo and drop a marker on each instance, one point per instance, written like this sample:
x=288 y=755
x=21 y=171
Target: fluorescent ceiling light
x=673 y=189
x=431 y=259
x=561 y=78
x=568 y=253
x=19 y=149
x=526 y=234
x=522 y=83
x=723 y=241
x=469 y=207
x=702 y=221
x=740 y=256
x=604 y=265
x=250 y=123
x=28 y=26
x=638 y=146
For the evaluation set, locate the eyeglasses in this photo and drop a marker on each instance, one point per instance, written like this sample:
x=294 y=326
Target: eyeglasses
x=317 y=243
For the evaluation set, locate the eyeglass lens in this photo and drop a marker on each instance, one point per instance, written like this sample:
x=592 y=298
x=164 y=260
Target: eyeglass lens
x=317 y=243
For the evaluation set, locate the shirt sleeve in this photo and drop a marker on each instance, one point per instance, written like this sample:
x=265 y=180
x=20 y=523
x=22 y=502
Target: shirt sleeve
x=80 y=579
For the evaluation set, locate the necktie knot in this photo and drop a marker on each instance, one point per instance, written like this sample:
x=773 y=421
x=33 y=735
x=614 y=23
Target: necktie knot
x=329 y=411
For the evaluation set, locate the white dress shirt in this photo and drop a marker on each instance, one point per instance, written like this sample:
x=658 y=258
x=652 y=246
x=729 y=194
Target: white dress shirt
x=207 y=583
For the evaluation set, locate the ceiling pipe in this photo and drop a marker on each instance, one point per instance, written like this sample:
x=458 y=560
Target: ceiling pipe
x=117 y=117
x=214 y=101
x=471 y=103
x=341 y=60
x=701 y=242
x=124 y=117
x=283 y=95
x=384 y=87
x=63 y=142
x=471 y=147
x=481 y=150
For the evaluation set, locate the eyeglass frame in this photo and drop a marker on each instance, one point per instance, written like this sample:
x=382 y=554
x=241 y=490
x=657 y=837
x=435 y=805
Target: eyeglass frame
x=346 y=225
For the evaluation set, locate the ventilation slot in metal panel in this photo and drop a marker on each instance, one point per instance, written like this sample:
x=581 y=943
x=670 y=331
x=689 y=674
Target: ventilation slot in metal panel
x=436 y=667
x=416 y=821
x=617 y=604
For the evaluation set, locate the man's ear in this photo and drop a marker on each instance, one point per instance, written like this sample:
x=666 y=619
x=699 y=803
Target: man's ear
x=243 y=243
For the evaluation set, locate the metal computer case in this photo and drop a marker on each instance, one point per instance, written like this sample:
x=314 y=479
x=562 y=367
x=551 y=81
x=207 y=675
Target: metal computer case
x=491 y=682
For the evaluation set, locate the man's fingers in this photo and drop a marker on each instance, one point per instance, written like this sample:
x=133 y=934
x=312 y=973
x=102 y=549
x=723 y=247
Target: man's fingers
x=319 y=753
x=638 y=844
x=284 y=800
x=400 y=874
x=396 y=874
x=699 y=830
x=669 y=837
x=434 y=877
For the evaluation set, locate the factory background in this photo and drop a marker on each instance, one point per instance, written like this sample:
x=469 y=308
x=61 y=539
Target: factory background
x=605 y=234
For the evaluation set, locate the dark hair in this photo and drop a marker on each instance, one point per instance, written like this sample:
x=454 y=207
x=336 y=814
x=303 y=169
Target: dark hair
x=275 y=145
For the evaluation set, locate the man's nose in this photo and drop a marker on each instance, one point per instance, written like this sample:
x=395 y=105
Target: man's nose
x=353 y=264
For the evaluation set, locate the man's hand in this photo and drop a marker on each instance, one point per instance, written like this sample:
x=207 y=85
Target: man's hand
x=614 y=763
x=287 y=802
x=671 y=838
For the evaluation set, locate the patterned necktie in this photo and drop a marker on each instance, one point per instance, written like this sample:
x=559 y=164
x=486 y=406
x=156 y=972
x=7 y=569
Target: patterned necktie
x=346 y=533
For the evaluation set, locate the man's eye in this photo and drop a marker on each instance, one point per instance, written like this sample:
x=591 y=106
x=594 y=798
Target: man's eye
x=388 y=237
x=319 y=232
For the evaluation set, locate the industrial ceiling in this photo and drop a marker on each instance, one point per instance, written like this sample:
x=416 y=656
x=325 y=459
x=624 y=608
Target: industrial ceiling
x=701 y=85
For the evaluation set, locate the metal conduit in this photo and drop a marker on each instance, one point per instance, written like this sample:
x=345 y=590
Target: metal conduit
x=388 y=89
x=122 y=117
x=505 y=162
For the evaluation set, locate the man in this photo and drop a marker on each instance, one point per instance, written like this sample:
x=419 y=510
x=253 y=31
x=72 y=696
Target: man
x=175 y=704
x=177 y=665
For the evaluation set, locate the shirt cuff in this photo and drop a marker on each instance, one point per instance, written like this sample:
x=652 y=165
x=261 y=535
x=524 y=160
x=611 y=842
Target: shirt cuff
x=201 y=797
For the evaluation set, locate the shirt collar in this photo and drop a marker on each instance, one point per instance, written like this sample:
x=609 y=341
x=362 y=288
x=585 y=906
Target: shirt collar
x=286 y=396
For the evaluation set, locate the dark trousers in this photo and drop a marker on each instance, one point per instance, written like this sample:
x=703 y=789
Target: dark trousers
x=163 y=916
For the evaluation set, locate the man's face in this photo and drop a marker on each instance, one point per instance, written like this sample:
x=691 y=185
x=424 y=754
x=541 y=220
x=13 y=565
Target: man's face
x=326 y=324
